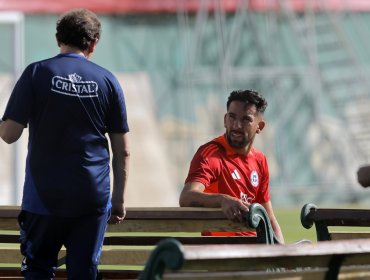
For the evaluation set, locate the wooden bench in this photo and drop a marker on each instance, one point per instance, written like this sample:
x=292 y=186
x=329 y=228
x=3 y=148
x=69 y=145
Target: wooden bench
x=322 y=260
x=128 y=245
x=324 y=218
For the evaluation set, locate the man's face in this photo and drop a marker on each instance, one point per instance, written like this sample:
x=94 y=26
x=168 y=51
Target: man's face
x=242 y=122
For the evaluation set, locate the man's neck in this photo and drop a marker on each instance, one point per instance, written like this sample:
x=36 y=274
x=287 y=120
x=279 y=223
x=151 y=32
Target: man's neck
x=244 y=151
x=69 y=49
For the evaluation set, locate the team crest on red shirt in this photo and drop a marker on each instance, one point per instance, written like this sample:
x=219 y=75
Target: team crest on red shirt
x=254 y=178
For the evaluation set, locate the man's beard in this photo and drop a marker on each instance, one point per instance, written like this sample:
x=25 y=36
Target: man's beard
x=235 y=143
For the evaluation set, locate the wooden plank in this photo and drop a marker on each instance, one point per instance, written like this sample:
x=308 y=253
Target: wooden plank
x=158 y=219
x=309 y=274
x=15 y=274
x=188 y=240
x=328 y=220
x=152 y=240
x=109 y=256
x=187 y=213
x=355 y=273
x=119 y=274
x=356 y=259
x=299 y=263
x=224 y=251
x=341 y=217
x=10 y=255
x=8 y=211
x=248 y=275
x=14 y=256
x=233 y=258
x=8 y=224
x=257 y=263
x=345 y=235
x=330 y=256
x=159 y=226
x=121 y=257
x=177 y=213
x=177 y=226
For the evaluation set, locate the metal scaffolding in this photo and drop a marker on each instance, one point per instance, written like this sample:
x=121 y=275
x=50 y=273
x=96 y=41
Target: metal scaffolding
x=318 y=92
x=307 y=61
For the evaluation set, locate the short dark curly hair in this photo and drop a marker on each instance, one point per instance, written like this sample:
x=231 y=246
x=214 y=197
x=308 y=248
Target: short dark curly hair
x=248 y=96
x=78 y=28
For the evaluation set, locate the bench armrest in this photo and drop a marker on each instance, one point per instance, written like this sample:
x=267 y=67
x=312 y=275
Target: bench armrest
x=258 y=219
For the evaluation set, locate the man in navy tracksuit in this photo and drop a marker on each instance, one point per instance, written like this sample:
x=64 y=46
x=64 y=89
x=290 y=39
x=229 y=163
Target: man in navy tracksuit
x=69 y=104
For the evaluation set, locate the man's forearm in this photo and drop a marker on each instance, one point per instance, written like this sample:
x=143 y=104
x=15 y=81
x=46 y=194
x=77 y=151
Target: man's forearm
x=120 y=165
x=196 y=199
x=120 y=176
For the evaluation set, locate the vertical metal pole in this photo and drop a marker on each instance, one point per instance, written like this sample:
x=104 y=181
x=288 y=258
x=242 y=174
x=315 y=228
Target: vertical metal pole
x=18 y=59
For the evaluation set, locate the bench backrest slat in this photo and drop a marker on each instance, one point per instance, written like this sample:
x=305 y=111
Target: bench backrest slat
x=170 y=256
x=161 y=219
x=323 y=218
x=150 y=240
x=340 y=235
x=341 y=217
x=196 y=225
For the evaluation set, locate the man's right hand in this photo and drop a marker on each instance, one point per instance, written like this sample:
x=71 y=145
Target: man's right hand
x=118 y=213
x=234 y=208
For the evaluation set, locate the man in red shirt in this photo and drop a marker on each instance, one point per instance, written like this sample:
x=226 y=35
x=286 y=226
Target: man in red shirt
x=228 y=172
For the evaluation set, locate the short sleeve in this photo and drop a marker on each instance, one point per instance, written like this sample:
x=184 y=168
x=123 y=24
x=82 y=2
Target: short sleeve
x=117 y=118
x=264 y=191
x=204 y=168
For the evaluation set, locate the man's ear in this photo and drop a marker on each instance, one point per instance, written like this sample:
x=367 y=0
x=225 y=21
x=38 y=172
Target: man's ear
x=93 y=45
x=261 y=125
x=225 y=120
x=91 y=48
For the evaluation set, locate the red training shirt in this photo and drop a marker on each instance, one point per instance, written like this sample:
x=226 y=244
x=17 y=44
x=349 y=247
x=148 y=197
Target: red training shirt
x=221 y=170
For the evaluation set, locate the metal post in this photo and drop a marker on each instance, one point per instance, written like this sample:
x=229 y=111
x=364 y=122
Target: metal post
x=16 y=20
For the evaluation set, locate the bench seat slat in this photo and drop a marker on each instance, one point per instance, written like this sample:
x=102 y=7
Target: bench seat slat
x=263 y=250
x=127 y=256
x=313 y=274
x=10 y=255
x=198 y=225
x=245 y=275
x=256 y=263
